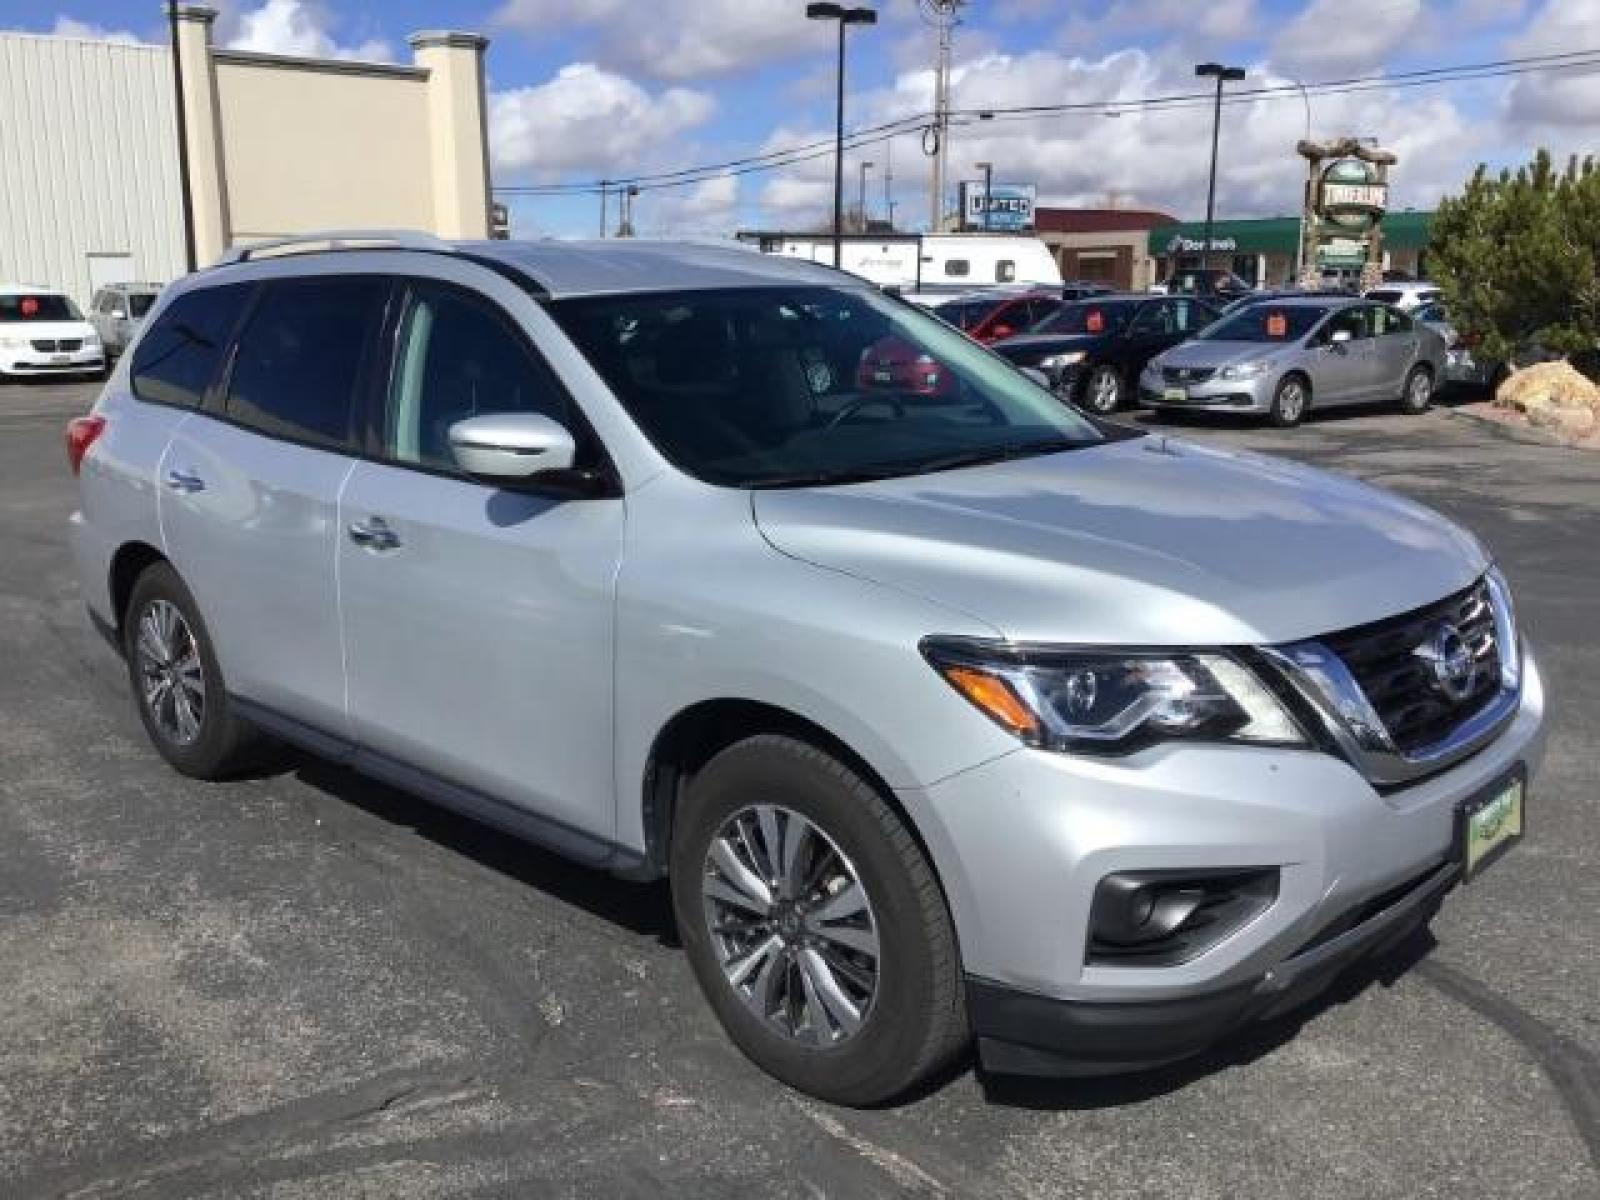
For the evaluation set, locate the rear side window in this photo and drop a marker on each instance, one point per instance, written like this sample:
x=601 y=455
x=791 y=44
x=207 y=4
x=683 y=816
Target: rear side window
x=957 y=266
x=299 y=359
x=1005 y=271
x=178 y=357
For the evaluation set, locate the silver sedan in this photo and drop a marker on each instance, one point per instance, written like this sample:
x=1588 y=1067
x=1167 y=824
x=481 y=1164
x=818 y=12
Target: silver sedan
x=1282 y=358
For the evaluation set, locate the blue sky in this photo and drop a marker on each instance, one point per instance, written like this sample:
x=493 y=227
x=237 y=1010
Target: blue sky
x=588 y=89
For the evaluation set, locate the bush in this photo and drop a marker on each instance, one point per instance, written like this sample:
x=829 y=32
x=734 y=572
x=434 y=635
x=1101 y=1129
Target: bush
x=1517 y=258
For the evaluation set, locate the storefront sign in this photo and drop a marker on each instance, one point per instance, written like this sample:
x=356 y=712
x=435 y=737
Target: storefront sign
x=1187 y=245
x=1351 y=194
x=1010 y=206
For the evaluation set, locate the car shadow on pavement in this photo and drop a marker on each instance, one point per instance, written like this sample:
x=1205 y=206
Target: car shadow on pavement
x=1240 y=1049
x=642 y=908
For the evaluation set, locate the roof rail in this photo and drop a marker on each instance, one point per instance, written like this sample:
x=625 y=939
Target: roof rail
x=334 y=239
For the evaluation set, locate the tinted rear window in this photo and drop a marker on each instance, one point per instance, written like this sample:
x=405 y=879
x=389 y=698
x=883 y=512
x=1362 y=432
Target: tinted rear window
x=1385 y=296
x=300 y=355
x=178 y=357
x=139 y=303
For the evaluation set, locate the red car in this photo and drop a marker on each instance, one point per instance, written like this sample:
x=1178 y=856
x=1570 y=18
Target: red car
x=894 y=365
x=990 y=318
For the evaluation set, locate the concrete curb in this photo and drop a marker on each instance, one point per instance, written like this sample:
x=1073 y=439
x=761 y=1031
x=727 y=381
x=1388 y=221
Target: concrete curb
x=1527 y=435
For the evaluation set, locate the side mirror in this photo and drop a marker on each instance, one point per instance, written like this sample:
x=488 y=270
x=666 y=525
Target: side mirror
x=1037 y=376
x=511 y=447
x=1339 y=337
x=118 y=315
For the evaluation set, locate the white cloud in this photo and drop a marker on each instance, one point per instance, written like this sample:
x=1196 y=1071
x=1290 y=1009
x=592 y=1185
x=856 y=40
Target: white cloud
x=70 y=27
x=1340 y=35
x=1564 y=99
x=587 y=121
x=708 y=208
x=678 y=39
x=300 y=27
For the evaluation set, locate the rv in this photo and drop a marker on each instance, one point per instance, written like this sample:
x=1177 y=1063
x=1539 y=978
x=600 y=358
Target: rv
x=925 y=264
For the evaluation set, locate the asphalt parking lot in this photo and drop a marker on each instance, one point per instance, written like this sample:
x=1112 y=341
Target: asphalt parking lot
x=312 y=985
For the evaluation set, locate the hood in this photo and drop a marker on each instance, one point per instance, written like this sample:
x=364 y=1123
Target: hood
x=1219 y=353
x=46 y=329
x=1029 y=348
x=1149 y=541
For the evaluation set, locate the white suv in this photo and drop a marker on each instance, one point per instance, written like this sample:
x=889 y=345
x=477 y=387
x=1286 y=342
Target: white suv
x=43 y=333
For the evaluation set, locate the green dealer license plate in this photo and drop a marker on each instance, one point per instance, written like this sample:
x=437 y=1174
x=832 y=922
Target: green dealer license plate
x=1489 y=824
x=1175 y=395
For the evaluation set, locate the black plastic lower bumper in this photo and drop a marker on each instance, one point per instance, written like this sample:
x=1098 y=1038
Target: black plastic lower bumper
x=1020 y=1033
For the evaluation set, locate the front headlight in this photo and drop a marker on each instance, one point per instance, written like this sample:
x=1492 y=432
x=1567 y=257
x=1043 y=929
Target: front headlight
x=1056 y=362
x=1249 y=370
x=91 y=340
x=13 y=343
x=1111 y=701
x=1506 y=635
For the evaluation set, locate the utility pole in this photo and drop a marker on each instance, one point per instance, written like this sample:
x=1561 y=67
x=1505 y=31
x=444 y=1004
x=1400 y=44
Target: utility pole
x=942 y=14
x=625 y=224
x=1222 y=75
x=862 y=201
x=888 y=182
x=605 y=184
x=988 y=191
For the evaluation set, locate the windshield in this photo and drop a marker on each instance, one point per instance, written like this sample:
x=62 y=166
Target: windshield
x=37 y=306
x=1087 y=316
x=964 y=314
x=1265 y=323
x=772 y=387
x=139 y=303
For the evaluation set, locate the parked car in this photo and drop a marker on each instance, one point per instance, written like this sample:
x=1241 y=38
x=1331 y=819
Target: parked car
x=1282 y=359
x=1289 y=293
x=1092 y=352
x=1405 y=296
x=1464 y=363
x=942 y=716
x=1210 y=283
x=990 y=317
x=117 y=310
x=1080 y=289
x=43 y=333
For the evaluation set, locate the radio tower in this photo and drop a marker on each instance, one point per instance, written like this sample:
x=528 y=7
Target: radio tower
x=943 y=15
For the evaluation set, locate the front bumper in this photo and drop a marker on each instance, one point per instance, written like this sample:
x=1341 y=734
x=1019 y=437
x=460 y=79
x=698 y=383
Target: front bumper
x=34 y=362
x=1232 y=395
x=1021 y=843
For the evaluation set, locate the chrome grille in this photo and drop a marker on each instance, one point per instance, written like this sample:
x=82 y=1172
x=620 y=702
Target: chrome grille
x=1187 y=374
x=1400 y=684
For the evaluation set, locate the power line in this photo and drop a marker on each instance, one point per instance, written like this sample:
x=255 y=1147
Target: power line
x=875 y=134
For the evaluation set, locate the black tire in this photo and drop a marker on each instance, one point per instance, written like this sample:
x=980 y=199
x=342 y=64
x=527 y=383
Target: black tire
x=1290 y=401
x=1102 y=390
x=1416 y=396
x=223 y=744
x=916 y=1021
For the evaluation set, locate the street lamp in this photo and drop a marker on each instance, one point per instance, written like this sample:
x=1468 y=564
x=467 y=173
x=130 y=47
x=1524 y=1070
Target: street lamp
x=1222 y=75
x=988 y=190
x=845 y=17
x=862 y=203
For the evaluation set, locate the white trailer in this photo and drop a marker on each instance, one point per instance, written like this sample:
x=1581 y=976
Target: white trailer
x=925 y=262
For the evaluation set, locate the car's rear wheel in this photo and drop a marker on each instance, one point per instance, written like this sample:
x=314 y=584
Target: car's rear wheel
x=814 y=923
x=1290 y=401
x=1417 y=396
x=177 y=684
x=1102 y=390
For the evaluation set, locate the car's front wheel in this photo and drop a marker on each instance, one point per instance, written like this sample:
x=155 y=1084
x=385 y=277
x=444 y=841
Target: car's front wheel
x=1289 y=402
x=814 y=923
x=1102 y=391
x=1417 y=396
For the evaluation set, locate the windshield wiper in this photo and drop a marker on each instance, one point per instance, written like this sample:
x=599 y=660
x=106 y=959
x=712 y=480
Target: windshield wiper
x=966 y=458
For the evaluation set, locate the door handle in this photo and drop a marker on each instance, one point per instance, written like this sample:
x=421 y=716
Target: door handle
x=184 y=482
x=373 y=534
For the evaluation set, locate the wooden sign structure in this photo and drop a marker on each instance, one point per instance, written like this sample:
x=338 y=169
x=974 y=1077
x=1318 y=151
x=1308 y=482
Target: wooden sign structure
x=1346 y=196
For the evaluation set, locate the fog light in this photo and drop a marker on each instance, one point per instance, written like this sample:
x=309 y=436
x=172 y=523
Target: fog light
x=1161 y=918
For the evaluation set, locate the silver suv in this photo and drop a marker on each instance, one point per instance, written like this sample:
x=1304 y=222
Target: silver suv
x=946 y=709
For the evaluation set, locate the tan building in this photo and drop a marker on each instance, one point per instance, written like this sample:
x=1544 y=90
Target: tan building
x=1102 y=245
x=275 y=145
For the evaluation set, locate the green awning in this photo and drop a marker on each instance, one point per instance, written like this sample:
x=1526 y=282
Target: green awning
x=1274 y=235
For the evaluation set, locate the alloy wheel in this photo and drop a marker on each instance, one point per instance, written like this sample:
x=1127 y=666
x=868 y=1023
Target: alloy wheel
x=1419 y=391
x=791 y=925
x=172 y=683
x=1291 y=402
x=1105 y=390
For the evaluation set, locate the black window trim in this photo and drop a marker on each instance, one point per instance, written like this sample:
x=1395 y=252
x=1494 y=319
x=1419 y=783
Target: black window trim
x=224 y=362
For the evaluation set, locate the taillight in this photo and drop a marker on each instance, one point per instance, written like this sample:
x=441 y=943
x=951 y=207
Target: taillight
x=81 y=434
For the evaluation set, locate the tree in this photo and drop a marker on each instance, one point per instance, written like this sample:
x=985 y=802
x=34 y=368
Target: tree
x=1518 y=257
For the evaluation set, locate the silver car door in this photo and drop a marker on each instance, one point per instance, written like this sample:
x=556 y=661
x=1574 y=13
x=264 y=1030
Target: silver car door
x=250 y=494
x=1339 y=368
x=1395 y=344
x=478 y=621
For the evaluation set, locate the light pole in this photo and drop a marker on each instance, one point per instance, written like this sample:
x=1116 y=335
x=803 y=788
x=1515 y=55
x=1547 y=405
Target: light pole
x=625 y=226
x=1222 y=75
x=862 y=203
x=605 y=187
x=846 y=17
x=988 y=190
x=1305 y=199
